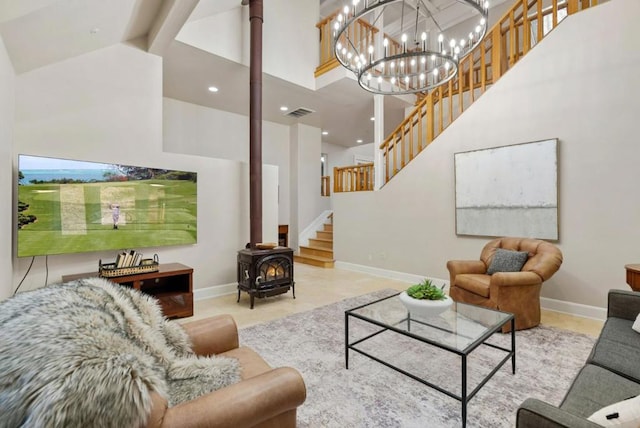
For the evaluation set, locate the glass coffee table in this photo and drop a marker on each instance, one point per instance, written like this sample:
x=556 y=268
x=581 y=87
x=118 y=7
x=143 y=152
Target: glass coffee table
x=460 y=330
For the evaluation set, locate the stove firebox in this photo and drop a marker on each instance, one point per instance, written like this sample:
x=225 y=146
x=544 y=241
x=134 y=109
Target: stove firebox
x=265 y=273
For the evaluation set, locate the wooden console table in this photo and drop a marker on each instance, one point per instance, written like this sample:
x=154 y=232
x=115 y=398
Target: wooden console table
x=172 y=285
x=633 y=276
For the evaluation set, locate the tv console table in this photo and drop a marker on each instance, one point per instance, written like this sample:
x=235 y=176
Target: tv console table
x=172 y=285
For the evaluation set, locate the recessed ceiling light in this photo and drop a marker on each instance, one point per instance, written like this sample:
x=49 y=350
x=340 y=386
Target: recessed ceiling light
x=284 y=108
x=325 y=132
x=373 y=118
x=358 y=141
x=213 y=89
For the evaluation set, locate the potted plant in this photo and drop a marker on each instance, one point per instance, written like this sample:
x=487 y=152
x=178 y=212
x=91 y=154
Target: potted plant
x=425 y=299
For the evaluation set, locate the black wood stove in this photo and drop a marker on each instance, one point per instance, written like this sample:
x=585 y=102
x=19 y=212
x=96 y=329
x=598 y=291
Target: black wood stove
x=265 y=273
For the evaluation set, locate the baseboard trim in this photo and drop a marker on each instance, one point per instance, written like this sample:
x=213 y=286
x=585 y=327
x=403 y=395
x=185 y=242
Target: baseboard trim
x=391 y=274
x=215 y=291
x=575 y=309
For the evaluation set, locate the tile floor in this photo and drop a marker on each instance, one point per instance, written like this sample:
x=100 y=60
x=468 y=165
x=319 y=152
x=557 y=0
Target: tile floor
x=317 y=287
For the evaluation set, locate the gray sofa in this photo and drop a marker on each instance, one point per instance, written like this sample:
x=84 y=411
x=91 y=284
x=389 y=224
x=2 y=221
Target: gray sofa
x=610 y=374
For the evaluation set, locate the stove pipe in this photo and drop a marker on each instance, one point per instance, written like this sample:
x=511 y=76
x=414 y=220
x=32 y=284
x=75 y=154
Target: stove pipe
x=255 y=122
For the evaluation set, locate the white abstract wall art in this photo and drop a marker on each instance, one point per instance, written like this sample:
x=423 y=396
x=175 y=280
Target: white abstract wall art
x=508 y=191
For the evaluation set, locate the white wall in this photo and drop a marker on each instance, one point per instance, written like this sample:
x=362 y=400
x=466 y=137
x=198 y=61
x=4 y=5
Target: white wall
x=196 y=130
x=7 y=111
x=107 y=106
x=305 y=179
x=289 y=38
x=559 y=90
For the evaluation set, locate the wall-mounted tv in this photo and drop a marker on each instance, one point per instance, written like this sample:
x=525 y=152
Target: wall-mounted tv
x=71 y=206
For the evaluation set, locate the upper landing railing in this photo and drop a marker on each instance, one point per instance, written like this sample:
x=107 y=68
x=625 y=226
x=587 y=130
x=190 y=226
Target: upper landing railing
x=513 y=35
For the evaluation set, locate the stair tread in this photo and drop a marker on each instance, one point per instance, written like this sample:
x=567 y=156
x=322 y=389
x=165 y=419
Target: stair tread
x=321 y=239
x=318 y=258
x=313 y=247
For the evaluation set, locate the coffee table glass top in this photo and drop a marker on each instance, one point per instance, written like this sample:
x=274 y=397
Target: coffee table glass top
x=460 y=328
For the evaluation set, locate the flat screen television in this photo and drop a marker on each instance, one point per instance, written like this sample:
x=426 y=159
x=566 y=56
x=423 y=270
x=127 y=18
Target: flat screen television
x=71 y=206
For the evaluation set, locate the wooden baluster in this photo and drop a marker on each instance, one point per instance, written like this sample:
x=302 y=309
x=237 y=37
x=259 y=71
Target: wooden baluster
x=512 y=42
x=430 y=121
x=471 y=79
x=411 y=140
x=421 y=124
x=483 y=67
x=539 y=18
x=460 y=90
x=440 y=112
x=450 y=98
x=395 y=156
x=572 y=7
x=403 y=144
x=526 y=36
x=496 y=55
x=554 y=13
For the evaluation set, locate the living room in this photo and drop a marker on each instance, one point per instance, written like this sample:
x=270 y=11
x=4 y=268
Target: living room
x=109 y=105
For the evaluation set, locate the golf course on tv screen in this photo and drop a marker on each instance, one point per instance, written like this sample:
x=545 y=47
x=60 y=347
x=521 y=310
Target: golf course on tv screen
x=68 y=206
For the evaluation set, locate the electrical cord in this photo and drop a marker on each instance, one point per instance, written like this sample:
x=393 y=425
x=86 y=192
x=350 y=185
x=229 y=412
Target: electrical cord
x=25 y=275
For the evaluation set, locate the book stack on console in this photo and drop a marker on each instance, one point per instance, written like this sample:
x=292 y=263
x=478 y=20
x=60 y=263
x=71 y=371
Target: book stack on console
x=129 y=262
x=128 y=258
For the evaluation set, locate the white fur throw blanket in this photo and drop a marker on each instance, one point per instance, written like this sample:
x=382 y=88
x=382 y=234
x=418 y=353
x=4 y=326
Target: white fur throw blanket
x=89 y=353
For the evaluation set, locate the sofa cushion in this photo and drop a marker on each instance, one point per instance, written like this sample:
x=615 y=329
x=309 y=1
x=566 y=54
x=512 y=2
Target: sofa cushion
x=507 y=261
x=475 y=283
x=595 y=388
x=623 y=414
x=618 y=348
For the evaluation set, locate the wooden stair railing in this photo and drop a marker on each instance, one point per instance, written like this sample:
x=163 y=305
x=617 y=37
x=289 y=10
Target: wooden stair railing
x=512 y=36
x=353 y=178
x=326 y=186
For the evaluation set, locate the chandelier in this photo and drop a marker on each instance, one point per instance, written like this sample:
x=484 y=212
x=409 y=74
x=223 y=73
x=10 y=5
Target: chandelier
x=418 y=61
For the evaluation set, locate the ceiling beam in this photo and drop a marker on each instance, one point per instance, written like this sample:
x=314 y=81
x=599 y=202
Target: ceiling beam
x=171 y=18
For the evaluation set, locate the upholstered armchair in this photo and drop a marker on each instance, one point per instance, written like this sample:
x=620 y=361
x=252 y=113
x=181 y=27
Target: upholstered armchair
x=499 y=281
x=265 y=397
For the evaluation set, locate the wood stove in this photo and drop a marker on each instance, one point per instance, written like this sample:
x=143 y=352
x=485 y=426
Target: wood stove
x=265 y=273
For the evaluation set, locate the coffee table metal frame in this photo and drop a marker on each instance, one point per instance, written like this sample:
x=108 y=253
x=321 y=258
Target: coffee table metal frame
x=481 y=340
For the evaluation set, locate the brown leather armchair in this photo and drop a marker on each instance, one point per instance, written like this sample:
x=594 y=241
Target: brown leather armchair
x=515 y=292
x=265 y=397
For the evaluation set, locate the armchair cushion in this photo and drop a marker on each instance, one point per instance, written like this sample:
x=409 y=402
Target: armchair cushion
x=475 y=283
x=507 y=261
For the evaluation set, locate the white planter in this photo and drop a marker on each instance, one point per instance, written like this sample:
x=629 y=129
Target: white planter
x=425 y=308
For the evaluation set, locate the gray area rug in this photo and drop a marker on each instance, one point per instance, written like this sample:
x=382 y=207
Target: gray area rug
x=372 y=395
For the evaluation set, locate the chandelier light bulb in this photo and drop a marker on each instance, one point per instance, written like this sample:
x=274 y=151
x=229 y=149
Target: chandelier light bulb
x=349 y=55
x=413 y=62
x=423 y=60
x=422 y=76
x=339 y=46
x=456 y=50
x=336 y=26
x=482 y=21
x=355 y=2
x=402 y=64
x=486 y=5
x=452 y=43
x=393 y=80
x=478 y=29
x=433 y=57
x=435 y=72
x=339 y=17
x=385 y=42
x=447 y=65
x=368 y=76
x=423 y=36
x=379 y=79
x=344 y=51
x=404 y=38
x=370 y=49
x=392 y=64
x=406 y=79
x=462 y=43
x=440 y=38
x=346 y=10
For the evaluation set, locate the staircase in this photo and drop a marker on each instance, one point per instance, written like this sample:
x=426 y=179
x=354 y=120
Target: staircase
x=319 y=252
x=514 y=34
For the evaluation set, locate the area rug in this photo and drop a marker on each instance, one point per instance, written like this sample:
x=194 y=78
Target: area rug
x=372 y=395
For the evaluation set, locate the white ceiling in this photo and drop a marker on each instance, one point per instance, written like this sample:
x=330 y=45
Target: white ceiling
x=41 y=32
